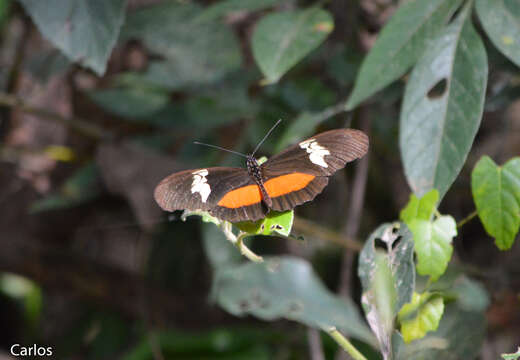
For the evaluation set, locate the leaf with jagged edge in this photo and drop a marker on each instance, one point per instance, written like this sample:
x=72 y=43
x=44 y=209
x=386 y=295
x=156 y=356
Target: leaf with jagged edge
x=420 y=208
x=433 y=245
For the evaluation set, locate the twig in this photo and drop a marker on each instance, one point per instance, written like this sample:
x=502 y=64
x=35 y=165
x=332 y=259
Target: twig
x=315 y=346
x=238 y=241
x=467 y=218
x=310 y=228
x=79 y=125
x=345 y=344
x=354 y=213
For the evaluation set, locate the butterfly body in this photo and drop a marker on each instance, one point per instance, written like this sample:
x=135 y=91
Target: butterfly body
x=290 y=178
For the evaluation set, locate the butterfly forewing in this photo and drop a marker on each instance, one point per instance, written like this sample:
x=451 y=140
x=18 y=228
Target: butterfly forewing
x=227 y=193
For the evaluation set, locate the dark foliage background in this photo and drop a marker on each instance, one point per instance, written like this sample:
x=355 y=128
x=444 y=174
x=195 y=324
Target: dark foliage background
x=92 y=120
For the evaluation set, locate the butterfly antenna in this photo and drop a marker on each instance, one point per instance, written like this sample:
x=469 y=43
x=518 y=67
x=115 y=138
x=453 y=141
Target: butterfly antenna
x=220 y=148
x=265 y=137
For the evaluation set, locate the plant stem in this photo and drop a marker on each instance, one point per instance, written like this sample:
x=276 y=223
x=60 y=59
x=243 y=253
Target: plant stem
x=310 y=228
x=345 y=344
x=467 y=218
x=238 y=242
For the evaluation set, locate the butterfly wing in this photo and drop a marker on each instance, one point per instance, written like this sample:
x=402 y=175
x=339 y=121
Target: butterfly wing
x=300 y=172
x=227 y=193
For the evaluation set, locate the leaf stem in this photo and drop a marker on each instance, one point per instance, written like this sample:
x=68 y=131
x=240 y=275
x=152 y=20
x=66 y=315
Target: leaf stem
x=345 y=344
x=467 y=218
x=238 y=241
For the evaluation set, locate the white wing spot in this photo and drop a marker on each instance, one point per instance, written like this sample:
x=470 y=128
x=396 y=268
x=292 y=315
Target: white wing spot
x=200 y=184
x=316 y=152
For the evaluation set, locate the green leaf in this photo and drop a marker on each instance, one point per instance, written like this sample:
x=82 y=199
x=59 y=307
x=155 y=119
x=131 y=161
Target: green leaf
x=400 y=44
x=282 y=39
x=219 y=251
x=286 y=287
x=387 y=278
x=226 y=6
x=4 y=11
x=84 y=30
x=433 y=244
x=274 y=222
x=443 y=106
x=399 y=245
x=420 y=316
x=422 y=208
x=501 y=21
x=81 y=187
x=514 y=356
x=460 y=336
x=130 y=102
x=46 y=64
x=195 y=53
x=496 y=192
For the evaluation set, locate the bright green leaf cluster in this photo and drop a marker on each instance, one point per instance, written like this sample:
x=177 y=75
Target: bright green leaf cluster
x=274 y=223
x=496 y=192
x=432 y=238
x=420 y=316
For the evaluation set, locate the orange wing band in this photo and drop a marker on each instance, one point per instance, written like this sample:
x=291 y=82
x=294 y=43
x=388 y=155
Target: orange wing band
x=285 y=184
x=244 y=196
x=278 y=186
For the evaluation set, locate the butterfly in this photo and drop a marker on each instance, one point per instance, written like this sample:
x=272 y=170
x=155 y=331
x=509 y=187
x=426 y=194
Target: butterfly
x=287 y=179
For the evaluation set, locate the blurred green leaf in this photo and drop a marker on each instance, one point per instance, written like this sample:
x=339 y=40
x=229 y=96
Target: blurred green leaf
x=343 y=65
x=422 y=208
x=219 y=251
x=496 y=192
x=26 y=290
x=501 y=21
x=433 y=246
x=81 y=187
x=400 y=43
x=107 y=335
x=195 y=53
x=4 y=11
x=420 y=316
x=230 y=343
x=46 y=64
x=443 y=106
x=306 y=93
x=223 y=7
x=85 y=31
x=282 y=39
x=130 y=102
x=384 y=292
x=286 y=287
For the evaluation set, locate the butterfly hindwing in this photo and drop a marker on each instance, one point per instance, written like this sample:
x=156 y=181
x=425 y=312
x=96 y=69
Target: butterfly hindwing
x=227 y=193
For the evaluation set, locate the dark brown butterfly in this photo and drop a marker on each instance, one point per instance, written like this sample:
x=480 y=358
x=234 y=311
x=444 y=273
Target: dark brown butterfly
x=290 y=178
